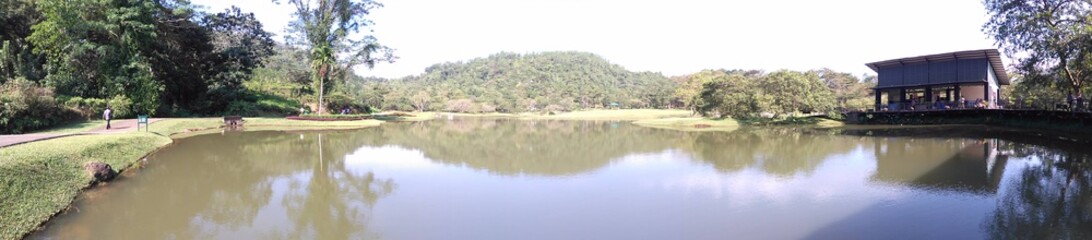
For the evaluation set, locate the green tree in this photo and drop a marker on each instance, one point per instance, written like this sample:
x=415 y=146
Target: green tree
x=732 y=95
x=1053 y=34
x=850 y=92
x=17 y=59
x=331 y=30
x=797 y=92
x=239 y=45
x=99 y=48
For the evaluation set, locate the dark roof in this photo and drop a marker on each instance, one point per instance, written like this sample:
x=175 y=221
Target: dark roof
x=992 y=54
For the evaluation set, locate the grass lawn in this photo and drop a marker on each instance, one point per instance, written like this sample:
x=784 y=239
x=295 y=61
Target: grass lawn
x=695 y=124
x=600 y=115
x=827 y=123
x=407 y=117
x=42 y=178
x=193 y=126
x=619 y=115
x=75 y=127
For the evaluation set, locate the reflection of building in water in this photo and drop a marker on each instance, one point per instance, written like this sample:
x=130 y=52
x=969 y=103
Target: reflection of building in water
x=953 y=164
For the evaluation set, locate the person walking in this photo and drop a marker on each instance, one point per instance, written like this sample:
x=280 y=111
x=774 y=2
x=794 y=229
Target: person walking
x=106 y=114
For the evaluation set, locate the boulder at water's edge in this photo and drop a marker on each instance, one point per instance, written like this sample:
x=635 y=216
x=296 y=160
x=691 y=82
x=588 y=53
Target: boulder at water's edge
x=99 y=171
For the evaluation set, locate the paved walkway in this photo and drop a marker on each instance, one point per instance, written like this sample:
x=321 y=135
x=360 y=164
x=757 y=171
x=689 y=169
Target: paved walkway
x=119 y=126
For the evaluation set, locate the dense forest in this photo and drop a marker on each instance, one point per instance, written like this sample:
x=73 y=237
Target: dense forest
x=64 y=59
x=550 y=82
x=509 y=82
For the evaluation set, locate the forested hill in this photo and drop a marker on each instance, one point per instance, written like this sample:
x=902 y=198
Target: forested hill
x=509 y=82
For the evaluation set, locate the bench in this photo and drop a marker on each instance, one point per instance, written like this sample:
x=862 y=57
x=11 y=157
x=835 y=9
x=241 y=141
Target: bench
x=233 y=121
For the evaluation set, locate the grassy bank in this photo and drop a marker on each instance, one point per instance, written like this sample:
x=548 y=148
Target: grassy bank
x=592 y=115
x=406 y=117
x=40 y=179
x=181 y=127
x=694 y=124
x=619 y=115
x=789 y=121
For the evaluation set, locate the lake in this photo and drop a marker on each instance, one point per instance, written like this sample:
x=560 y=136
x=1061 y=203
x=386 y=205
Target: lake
x=512 y=179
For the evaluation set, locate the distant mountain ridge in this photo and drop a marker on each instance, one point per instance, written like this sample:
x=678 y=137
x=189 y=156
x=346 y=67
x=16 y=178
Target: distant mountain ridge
x=511 y=82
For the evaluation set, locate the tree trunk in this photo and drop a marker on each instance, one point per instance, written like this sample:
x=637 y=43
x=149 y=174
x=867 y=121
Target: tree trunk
x=322 y=87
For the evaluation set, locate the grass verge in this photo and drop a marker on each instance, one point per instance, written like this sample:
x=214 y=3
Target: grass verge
x=40 y=179
x=406 y=117
x=594 y=115
x=619 y=115
x=182 y=127
x=817 y=121
x=75 y=127
x=693 y=124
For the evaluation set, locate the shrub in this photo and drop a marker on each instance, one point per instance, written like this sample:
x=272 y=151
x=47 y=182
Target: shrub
x=121 y=107
x=554 y=108
x=332 y=116
x=462 y=105
x=73 y=102
x=487 y=108
x=24 y=106
x=277 y=105
x=337 y=101
x=242 y=108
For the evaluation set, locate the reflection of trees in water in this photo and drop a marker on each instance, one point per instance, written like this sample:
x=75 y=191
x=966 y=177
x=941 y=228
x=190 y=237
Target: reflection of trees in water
x=781 y=151
x=336 y=202
x=226 y=180
x=571 y=147
x=525 y=147
x=1051 y=199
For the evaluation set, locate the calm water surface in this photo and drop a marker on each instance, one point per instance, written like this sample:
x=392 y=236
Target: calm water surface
x=485 y=179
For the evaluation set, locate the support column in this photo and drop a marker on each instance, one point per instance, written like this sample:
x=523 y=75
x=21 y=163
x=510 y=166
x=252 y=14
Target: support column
x=958 y=94
x=879 y=96
x=903 y=101
x=928 y=94
x=986 y=90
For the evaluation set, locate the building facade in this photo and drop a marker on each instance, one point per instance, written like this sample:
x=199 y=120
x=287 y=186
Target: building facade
x=965 y=79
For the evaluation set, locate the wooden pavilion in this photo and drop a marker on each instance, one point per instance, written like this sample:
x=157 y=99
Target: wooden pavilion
x=939 y=81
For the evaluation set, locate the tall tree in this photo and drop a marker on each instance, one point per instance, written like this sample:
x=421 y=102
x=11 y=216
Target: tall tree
x=1054 y=35
x=100 y=49
x=16 y=53
x=239 y=45
x=337 y=34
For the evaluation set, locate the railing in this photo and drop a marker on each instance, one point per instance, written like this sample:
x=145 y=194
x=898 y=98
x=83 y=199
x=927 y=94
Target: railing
x=902 y=107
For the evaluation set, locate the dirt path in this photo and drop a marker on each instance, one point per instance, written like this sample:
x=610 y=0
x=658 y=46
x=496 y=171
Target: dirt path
x=119 y=126
x=8 y=140
x=125 y=125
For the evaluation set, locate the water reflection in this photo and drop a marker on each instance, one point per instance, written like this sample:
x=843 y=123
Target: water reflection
x=779 y=151
x=963 y=165
x=1050 y=199
x=267 y=184
x=558 y=148
x=475 y=179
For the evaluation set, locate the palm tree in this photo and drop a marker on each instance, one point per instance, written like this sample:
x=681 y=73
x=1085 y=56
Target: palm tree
x=322 y=60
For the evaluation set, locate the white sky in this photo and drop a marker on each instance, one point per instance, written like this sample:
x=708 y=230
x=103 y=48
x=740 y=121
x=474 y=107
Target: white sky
x=672 y=37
